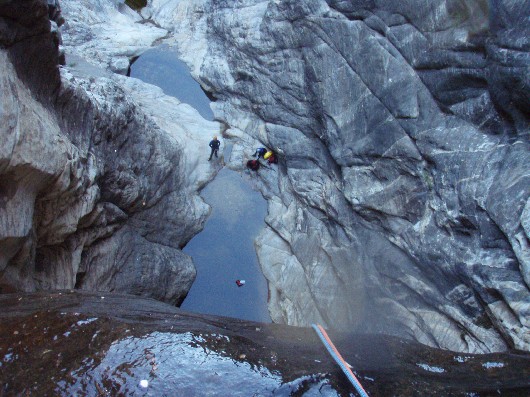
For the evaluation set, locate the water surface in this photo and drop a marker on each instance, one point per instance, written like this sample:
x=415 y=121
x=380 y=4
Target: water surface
x=162 y=67
x=224 y=252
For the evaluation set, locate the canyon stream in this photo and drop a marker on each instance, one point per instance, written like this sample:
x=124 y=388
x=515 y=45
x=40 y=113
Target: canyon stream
x=224 y=251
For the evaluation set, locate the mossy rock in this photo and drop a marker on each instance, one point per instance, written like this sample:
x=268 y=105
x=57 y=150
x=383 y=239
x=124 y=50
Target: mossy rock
x=136 y=4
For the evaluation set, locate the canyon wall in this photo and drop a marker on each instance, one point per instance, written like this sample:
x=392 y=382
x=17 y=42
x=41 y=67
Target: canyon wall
x=97 y=191
x=400 y=204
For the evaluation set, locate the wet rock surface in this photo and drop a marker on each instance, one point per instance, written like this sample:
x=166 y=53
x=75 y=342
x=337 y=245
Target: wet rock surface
x=67 y=343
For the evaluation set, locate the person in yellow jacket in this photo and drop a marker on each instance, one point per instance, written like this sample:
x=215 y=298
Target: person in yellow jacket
x=270 y=157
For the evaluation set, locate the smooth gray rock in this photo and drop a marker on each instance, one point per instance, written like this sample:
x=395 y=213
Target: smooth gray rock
x=96 y=192
x=398 y=204
x=401 y=201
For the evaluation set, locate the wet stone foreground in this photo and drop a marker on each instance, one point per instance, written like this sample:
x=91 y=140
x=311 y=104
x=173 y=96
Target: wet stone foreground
x=71 y=343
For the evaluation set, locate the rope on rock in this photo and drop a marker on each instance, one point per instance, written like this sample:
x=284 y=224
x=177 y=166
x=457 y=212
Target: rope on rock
x=322 y=334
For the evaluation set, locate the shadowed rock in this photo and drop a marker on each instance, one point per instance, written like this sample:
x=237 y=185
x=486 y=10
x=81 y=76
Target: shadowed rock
x=94 y=344
x=96 y=192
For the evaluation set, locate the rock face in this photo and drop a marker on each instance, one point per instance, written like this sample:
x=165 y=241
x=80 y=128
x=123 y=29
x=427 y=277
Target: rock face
x=108 y=33
x=401 y=202
x=97 y=191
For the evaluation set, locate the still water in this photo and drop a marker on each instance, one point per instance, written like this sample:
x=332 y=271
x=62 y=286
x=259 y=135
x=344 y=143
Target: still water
x=224 y=251
x=162 y=67
x=166 y=364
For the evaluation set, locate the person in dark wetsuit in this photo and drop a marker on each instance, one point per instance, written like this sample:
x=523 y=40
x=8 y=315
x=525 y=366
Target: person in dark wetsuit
x=214 y=144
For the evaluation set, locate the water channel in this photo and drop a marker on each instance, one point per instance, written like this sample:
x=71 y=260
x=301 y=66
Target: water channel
x=162 y=67
x=224 y=251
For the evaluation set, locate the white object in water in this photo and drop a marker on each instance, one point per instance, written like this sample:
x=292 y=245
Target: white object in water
x=144 y=383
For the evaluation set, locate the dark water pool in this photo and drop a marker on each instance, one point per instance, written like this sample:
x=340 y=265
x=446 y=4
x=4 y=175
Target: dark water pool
x=224 y=252
x=162 y=67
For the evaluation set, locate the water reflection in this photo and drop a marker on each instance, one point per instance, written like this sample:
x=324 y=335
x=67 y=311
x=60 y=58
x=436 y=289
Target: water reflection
x=91 y=345
x=161 y=364
x=224 y=252
x=162 y=67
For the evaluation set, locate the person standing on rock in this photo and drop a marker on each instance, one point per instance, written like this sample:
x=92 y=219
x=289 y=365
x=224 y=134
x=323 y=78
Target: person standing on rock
x=214 y=144
x=270 y=156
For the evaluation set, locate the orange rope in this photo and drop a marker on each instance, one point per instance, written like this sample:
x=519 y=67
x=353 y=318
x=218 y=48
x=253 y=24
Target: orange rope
x=338 y=358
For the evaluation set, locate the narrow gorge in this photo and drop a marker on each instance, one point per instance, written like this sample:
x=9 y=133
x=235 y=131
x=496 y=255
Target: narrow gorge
x=399 y=209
